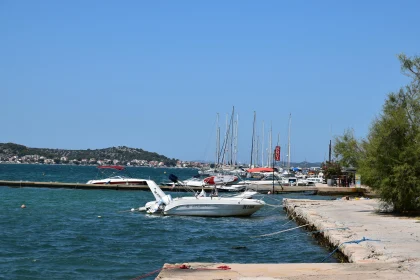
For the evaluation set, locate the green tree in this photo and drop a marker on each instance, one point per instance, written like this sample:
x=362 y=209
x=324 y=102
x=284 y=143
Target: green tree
x=347 y=149
x=331 y=169
x=390 y=163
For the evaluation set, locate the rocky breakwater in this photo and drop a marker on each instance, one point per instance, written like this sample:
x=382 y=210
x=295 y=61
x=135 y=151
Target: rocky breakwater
x=363 y=231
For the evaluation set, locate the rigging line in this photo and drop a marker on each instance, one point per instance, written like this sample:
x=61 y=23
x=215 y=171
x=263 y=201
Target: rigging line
x=274 y=233
x=208 y=143
x=225 y=142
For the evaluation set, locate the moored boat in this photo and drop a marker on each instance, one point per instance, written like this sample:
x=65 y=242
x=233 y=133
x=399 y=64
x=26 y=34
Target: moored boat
x=201 y=204
x=116 y=180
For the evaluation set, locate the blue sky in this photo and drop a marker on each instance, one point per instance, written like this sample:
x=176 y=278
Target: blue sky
x=154 y=74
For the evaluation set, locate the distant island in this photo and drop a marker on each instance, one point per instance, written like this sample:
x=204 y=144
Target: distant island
x=121 y=155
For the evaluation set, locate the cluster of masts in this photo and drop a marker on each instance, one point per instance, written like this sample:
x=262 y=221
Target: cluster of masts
x=227 y=151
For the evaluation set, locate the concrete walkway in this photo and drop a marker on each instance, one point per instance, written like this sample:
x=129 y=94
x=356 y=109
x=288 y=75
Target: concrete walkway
x=395 y=256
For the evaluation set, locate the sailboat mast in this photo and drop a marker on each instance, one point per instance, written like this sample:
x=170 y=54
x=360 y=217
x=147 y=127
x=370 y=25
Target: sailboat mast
x=226 y=149
x=262 y=146
x=217 y=140
x=232 y=135
x=271 y=144
x=258 y=149
x=252 y=144
x=288 y=144
x=236 y=139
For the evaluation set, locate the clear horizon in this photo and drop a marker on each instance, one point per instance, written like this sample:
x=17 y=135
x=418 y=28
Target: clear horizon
x=153 y=75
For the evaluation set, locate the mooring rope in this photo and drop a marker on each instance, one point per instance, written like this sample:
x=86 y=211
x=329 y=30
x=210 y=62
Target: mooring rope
x=273 y=205
x=274 y=233
x=349 y=242
x=273 y=198
x=147 y=274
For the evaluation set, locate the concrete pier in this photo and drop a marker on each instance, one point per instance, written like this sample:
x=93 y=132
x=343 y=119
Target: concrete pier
x=390 y=250
x=318 y=189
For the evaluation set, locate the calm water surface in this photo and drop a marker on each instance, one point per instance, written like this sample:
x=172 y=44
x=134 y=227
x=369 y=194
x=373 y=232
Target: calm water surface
x=91 y=234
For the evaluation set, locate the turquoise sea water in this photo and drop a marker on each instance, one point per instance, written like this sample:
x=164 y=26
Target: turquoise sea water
x=91 y=234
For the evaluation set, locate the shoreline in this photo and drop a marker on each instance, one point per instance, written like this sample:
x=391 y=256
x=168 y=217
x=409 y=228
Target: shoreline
x=378 y=245
x=317 y=190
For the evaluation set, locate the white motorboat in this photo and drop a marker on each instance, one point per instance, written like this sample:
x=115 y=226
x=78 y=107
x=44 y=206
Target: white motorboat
x=201 y=204
x=268 y=180
x=115 y=180
x=221 y=180
x=231 y=188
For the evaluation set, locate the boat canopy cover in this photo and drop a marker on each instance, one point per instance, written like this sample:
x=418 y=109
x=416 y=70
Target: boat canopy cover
x=117 y=167
x=261 y=169
x=173 y=178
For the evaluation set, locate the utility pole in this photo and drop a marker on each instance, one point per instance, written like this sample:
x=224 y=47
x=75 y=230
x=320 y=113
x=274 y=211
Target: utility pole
x=329 y=152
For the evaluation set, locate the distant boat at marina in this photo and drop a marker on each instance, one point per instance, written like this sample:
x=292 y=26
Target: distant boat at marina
x=202 y=181
x=115 y=180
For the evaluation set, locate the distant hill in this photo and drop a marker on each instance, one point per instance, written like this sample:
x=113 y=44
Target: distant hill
x=121 y=153
x=306 y=164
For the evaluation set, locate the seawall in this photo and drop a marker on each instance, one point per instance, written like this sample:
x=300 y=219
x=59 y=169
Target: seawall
x=378 y=245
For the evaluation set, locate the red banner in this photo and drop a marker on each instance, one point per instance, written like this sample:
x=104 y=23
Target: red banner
x=277 y=153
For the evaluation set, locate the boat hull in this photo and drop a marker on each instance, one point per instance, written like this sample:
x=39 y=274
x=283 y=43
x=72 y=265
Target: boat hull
x=213 y=207
x=123 y=181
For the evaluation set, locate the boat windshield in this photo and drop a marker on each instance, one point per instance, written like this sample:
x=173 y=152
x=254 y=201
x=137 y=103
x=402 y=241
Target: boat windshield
x=270 y=177
x=119 y=177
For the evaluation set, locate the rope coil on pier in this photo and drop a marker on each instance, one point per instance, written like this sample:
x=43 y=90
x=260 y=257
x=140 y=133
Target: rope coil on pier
x=349 y=242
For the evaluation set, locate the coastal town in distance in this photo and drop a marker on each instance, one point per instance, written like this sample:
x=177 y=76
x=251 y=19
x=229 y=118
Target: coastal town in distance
x=11 y=154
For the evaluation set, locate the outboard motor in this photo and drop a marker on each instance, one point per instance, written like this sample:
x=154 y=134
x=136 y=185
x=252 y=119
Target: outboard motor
x=173 y=178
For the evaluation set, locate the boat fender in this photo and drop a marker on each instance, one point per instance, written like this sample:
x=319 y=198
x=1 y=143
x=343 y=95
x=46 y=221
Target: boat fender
x=184 y=266
x=224 y=267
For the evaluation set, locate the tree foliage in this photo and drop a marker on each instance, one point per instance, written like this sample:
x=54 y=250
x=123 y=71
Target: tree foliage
x=331 y=169
x=390 y=162
x=347 y=149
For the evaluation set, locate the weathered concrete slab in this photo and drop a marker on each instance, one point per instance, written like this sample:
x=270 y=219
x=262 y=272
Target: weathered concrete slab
x=330 y=271
x=399 y=236
x=395 y=254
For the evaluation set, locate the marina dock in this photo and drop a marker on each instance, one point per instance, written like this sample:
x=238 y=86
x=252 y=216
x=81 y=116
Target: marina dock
x=320 y=189
x=376 y=244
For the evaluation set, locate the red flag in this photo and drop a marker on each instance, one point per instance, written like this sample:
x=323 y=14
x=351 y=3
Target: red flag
x=277 y=153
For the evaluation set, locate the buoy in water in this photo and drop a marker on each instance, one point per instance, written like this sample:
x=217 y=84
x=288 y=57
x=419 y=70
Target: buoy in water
x=99 y=216
x=23 y=206
x=269 y=192
x=132 y=209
